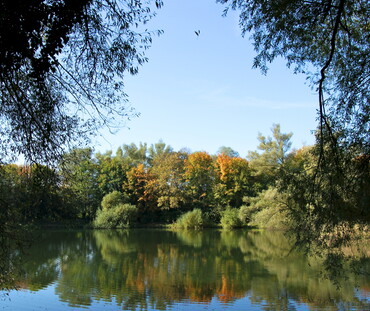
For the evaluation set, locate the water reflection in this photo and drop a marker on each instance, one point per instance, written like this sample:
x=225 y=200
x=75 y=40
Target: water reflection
x=144 y=269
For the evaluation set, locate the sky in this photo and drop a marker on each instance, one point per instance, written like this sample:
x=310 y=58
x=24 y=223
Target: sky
x=201 y=93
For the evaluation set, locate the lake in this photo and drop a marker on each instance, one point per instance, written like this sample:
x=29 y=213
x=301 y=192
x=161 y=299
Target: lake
x=146 y=269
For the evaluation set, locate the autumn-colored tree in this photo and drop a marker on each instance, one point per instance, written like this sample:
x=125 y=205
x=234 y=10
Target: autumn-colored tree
x=135 y=188
x=234 y=180
x=167 y=184
x=199 y=177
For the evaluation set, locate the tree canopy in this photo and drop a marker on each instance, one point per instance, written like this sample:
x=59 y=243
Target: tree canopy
x=327 y=40
x=62 y=65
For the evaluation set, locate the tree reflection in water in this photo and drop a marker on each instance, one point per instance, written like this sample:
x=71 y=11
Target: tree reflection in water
x=144 y=269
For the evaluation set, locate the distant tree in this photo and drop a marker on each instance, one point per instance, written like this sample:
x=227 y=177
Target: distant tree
x=30 y=193
x=80 y=188
x=273 y=154
x=62 y=65
x=158 y=149
x=44 y=196
x=135 y=188
x=167 y=180
x=111 y=171
x=135 y=155
x=199 y=178
x=233 y=181
x=228 y=151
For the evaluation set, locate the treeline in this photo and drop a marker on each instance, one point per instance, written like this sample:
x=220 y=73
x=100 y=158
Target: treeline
x=155 y=184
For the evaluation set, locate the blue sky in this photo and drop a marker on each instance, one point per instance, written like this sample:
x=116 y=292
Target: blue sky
x=200 y=92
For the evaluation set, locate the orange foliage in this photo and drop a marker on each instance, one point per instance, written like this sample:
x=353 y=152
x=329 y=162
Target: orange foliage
x=229 y=166
x=197 y=163
x=227 y=292
x=137 y=180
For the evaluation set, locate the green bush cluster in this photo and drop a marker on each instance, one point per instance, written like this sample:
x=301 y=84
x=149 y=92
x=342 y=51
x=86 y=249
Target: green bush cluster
x=112 y=199
x=230 y=219
x=114 y=213
x=190 y=220
x=245 y=213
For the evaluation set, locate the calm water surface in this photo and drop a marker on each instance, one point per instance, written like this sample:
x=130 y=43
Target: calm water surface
x=185 y=270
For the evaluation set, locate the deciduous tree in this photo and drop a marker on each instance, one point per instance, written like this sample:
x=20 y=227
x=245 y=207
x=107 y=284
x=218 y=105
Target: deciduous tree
x=234 y=181
x=199 y=177
x=80 y=187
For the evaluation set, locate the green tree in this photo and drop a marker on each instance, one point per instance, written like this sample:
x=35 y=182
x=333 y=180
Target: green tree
x=228 y=151
x=274 y=152
x=112 y=199
x=31 y=193
x=267 y=210
x=190 y=220
x=230 y=219
x=158 y=149
x=112 y=171
x=135 y=155
x=44 y=200
x=115 y=212
x=80 y=188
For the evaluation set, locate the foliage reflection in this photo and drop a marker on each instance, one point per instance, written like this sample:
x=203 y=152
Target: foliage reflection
x=156 y=269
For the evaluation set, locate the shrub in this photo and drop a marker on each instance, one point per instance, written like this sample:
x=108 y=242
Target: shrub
x=112 y=200
x=244 y=214
x=190 y=220
x=119 y=216
x=230 y=219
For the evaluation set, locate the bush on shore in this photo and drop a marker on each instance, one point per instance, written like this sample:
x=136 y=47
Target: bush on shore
x=119 y=216
x=230 y=219
x=190 y=220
